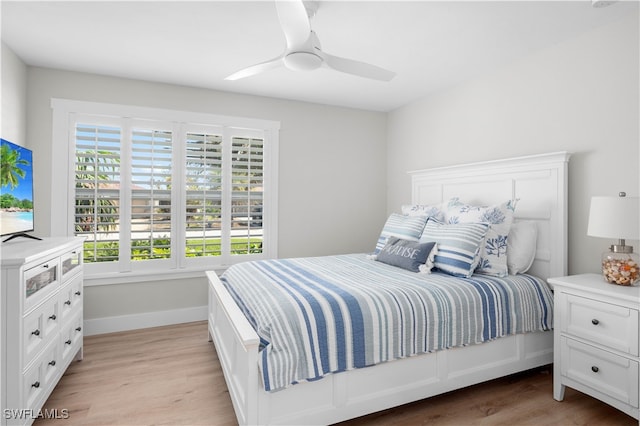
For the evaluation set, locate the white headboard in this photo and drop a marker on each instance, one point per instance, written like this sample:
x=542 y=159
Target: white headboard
x=538 y=181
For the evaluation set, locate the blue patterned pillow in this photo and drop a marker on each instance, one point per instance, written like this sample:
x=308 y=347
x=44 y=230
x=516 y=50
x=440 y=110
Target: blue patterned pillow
x=435 y=211
x=493 y=253
x=410 y=255
x=458 y=245
x=405 y=227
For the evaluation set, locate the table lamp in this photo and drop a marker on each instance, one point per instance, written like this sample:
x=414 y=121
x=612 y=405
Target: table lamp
x=617 y=217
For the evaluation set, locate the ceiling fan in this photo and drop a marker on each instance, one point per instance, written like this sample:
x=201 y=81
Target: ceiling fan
x=303 y=52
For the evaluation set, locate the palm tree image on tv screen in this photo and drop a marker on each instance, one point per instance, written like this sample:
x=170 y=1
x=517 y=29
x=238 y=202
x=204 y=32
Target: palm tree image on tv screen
x=16 y=189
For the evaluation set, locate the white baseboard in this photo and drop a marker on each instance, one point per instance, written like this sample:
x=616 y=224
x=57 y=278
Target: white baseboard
x=144 y=320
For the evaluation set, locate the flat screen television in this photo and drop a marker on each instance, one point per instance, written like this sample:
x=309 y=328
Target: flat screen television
x=16 y=190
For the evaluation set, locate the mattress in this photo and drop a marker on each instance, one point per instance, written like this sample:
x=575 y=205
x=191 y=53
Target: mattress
x=322 y=315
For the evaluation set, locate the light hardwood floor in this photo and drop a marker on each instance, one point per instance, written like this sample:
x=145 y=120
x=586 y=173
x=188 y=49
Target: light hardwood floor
x=171 y=376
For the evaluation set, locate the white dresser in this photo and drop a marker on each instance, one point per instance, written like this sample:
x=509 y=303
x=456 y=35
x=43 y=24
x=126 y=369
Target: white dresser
x=596 y=340
x=41 y=318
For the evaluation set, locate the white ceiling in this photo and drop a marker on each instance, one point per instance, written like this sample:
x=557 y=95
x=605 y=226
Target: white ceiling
x=429 y=44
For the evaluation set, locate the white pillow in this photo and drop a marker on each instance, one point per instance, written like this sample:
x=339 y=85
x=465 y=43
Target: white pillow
x=521 y=246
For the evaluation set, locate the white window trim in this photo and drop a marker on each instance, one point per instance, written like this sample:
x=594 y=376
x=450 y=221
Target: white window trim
x=62 y=184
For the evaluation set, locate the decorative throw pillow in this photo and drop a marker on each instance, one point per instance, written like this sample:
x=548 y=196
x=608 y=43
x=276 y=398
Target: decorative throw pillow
x=410 y=255
x=521 y=246
x=435 y=211
x=405 y=227
x=458 y=245
x=493 y=253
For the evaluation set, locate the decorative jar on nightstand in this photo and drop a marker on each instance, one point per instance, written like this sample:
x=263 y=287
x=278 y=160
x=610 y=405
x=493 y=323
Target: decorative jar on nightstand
x=621 y=268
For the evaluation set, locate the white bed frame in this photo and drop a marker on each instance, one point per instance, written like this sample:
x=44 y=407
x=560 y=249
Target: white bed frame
x=540 y=184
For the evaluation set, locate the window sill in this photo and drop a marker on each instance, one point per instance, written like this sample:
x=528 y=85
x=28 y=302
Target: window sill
x=146 y=276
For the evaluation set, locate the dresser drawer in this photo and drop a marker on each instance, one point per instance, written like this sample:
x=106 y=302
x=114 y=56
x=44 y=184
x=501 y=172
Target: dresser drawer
x=40 y=281
x=71 y=263
x=606 y=324
x=42 y=375
x=38 y=326
x=70 y=298
x=71 y=337
x=601 y=371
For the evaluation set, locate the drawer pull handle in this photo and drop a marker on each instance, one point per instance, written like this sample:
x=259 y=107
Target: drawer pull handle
x=68 y=342
x=595 y=321
x=68 y=302
x=595 y=369
x=53 y=317
x=78 y=293
x=35 y=385
x=46 y=265
x=78 y=328
x=52 y=362
x=36 y=332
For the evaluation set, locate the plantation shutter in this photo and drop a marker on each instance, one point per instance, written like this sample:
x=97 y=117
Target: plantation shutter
x=151 y=179
x=247 y=201
x=204 y=168
x=97 y=190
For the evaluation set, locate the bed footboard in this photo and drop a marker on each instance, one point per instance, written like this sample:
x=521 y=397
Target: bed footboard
x=237 y=346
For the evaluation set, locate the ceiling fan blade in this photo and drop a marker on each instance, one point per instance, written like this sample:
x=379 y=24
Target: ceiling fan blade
x=358 y=68
x=257 y=69
x=294 y=22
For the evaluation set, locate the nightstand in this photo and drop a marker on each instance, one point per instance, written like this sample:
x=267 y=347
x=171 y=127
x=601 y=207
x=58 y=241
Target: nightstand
x=596 y=340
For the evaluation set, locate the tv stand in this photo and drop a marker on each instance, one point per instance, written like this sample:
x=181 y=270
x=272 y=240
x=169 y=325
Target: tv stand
x=21 y=234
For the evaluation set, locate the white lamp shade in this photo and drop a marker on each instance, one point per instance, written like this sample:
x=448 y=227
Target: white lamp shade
x=615 y=217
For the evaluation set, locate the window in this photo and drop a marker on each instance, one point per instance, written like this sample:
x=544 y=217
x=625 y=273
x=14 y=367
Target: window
x=156 y=190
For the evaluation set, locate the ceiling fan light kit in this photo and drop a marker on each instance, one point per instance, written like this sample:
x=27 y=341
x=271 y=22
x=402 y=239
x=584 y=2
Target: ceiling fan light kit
x=303 y=52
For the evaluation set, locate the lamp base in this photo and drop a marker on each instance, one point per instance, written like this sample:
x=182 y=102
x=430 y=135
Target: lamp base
x=621 y=268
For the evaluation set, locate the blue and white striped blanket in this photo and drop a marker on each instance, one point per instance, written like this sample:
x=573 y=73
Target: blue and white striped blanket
x=322 y=315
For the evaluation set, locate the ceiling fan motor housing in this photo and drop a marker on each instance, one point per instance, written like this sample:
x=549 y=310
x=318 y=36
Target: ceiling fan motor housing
x=302 y=61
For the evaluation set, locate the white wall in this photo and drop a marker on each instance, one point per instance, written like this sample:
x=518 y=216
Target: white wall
x=338 y=171
x=13 y=94
x=580 y=96
x=332 y=174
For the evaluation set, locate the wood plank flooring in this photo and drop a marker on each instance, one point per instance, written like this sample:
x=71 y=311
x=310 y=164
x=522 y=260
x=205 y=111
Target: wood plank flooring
x=171 y=376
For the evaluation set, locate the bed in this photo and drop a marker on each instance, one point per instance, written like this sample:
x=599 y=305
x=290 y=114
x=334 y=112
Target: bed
x=538 y=183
